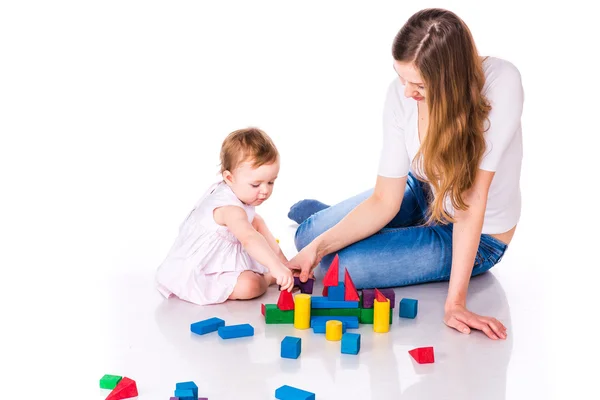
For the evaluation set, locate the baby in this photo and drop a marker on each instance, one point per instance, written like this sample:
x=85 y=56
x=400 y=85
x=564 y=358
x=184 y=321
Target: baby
x=224 y=249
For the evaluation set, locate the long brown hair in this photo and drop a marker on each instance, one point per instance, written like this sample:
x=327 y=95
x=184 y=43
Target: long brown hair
x=441 y=47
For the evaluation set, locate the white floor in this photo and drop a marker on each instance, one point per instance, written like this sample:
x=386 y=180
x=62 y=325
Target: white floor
x=111 y=118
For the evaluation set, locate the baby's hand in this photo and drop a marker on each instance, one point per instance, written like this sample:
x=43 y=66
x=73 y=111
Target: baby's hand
x=284 y=278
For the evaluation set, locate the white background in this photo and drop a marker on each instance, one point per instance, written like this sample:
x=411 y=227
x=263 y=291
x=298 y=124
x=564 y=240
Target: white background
x=112 y=114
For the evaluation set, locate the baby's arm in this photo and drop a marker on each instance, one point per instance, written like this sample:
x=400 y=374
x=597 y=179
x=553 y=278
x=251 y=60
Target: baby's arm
x=236 y=220
x=259 y=224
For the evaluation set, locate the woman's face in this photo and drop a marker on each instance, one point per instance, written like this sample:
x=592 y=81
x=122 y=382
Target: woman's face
x=411 y=79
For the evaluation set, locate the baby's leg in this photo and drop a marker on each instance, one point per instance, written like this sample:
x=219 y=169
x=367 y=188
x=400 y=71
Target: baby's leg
x=249 y=285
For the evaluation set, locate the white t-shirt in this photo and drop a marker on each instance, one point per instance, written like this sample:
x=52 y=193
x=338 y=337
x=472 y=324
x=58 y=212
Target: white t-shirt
x=504 y=141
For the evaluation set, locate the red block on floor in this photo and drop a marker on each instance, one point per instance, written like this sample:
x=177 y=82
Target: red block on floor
x=332 y=276
x=263 y=310
x=125 y=389
x=286 y=301
x=351 y=293
x=422 y=355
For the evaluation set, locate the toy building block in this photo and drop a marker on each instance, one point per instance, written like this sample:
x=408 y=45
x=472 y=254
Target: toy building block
x=324 y=302
x=291 y=347
x=286 y=301
x=305 y=287
x=368 y=295
x=351 y=322
x=320 y=326
x=174 y=398
x=286 y=392
x=351 y=294
x=207 y=326
x=273 y=315
x=202 y=398
x=366 y=316
x=423 y=355
x=185 y=394
x=188 y=386
x=350 y=343
x=109 y=381
x=320 y=312
x=331 y=277
x=236 y=331
x=337 y=293
x=381 y=315
x=339 y=312
x=333 y=330
x=408 y=308
x=125 y=389
x=302 y=311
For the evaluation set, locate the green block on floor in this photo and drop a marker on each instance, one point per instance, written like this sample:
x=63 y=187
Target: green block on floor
x=109 y=381
x=274 y=315
x=345 y=312
x=366 y=315
x=320 y=312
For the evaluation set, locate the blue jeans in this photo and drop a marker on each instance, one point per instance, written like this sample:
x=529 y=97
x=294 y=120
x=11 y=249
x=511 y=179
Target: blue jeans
x=405 y=252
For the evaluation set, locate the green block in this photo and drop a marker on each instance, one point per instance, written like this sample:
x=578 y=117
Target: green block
x=320 y=312
x=366 y=315
x=344 y=312
x=109 y=381
x=274 y=315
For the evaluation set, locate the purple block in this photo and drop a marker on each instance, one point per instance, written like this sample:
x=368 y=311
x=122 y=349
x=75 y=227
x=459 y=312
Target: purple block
x=369 y=297
x=305 y=287
x=202 y=398
x=174 y=398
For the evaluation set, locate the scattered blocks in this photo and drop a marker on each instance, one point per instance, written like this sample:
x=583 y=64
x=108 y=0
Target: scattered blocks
x=291 y=347
x=423 y=355
x=184 y=394
x=408 y=308
x=351 y=343
x=125 y=389
x=109 y=381
x=286 y=301
x=333 y=330
x=273 y=315
x=325 y=302
x=302 y=311
x=187 y=386
x=207 y=326
x=291 y=393
x=336 y=293
x=368 y=295
x=236 y=331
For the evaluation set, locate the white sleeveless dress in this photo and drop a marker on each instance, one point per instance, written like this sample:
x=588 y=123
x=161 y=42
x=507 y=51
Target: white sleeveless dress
x=206 y=259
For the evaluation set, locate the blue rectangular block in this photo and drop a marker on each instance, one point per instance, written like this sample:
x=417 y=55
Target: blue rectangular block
x=351 y=322
x=321 y=326
x=236 y=331
x=350 y=343
x=336 y=293
x=185 y=394
x=408 y=308
x=291 y=347
x=207 y=326
x=291 y=393
x=324 y=302
x=188 y=386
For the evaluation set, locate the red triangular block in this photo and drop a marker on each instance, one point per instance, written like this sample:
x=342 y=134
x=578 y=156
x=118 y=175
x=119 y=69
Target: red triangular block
x=422 y=355
x=286 y=301
x=325 y=291
x=332 y=276
x=125 y=389
x=380 y=297
x=263 y=310
x=351 y=293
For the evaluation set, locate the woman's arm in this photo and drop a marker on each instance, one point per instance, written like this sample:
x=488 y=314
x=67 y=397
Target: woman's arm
x=261 y=227
x=465 y=242
x=366 y=219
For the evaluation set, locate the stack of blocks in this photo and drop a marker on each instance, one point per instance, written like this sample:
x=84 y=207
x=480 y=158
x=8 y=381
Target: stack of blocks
x=187 y=391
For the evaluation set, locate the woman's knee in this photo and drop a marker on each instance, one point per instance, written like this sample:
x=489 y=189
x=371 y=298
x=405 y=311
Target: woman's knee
x=249 y=285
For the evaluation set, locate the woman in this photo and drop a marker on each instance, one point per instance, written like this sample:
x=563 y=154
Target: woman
x=447 y=197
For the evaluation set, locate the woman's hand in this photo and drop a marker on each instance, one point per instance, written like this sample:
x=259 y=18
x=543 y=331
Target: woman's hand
x=304 y=262
x=458 y=317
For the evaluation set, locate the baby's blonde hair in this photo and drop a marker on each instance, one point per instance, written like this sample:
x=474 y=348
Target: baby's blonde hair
x=248 y=144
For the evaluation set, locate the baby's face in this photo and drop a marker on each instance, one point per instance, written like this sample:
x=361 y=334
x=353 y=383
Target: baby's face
x=253 y=185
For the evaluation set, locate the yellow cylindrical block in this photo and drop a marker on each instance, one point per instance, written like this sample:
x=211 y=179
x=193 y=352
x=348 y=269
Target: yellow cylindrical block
x=302 y=311
x=333 y=330
x=381 y=316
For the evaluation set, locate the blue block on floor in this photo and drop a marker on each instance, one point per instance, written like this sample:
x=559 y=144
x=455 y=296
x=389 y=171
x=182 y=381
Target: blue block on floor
x=291 y=393
x=350 y=343
x=236 y=331
x=336 y=293
x=321 y=326
x=408 y=308
x=187 y=386
x=207 y=326
x=324 y=302
x=351 y=322
x=291 y=347
x=185 y=394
